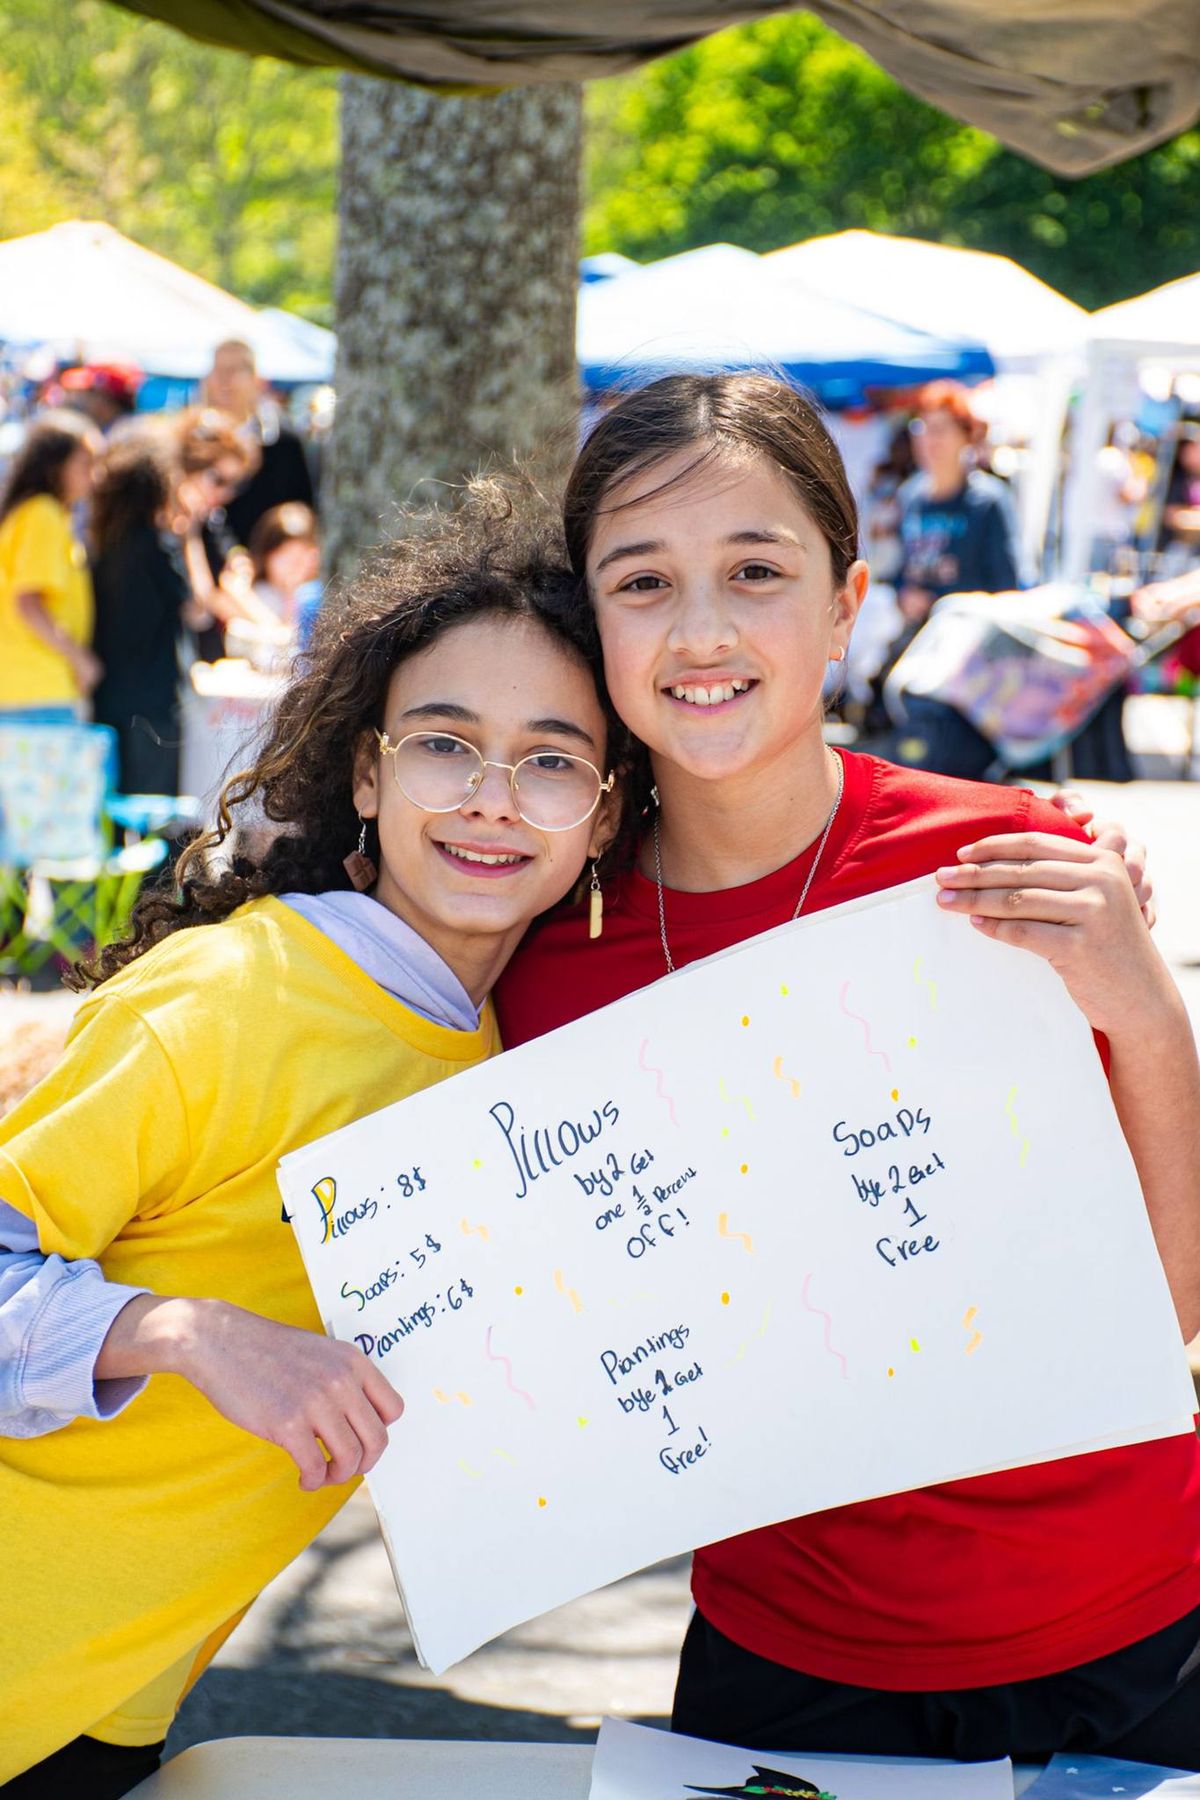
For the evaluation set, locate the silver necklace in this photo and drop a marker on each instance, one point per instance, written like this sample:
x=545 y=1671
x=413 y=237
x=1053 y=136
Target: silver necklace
x=808 y=879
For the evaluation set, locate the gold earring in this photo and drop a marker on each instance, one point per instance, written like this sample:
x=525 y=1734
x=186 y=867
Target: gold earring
x=358 y=865
x=595 y=906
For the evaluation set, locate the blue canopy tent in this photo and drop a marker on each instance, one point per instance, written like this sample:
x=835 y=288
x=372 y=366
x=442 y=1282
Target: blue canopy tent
x=723 y=308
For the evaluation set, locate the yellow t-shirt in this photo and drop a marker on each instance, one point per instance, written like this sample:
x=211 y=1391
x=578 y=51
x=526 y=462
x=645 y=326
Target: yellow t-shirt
x=153 y=1146
x=39 y=555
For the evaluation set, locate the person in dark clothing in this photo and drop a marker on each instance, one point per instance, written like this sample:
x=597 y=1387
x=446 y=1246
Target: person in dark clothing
x=142 y=599
x=282 y=473
x=959 y=535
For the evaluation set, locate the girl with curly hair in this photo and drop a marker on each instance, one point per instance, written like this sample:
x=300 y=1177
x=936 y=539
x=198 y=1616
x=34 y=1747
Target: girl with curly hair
x=438 y=772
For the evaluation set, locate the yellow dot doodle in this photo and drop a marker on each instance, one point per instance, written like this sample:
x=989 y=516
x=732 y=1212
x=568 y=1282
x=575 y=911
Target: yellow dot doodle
x=745 y=1169
x=518 y=1291
x=724 y=1131
x=478 y=1163
x=895 y=1093
x=581 y=1423
x=745 y=1018
x=785 y=990
x=724 y=1299
x=913 y=1344
x=891 y=1372
x=542 y=1501
x=912 y=1043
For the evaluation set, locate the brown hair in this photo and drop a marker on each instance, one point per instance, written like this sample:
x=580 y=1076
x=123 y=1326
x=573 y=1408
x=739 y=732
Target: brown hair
x=50 y=443
x=205 y=437
x=483 y=560
x=132 y=488
x=293 y=522
x=716 y=416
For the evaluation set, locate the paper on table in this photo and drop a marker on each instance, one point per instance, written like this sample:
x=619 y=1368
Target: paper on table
x=633 y=1762
x=842 y=1212
x=1101 y=1777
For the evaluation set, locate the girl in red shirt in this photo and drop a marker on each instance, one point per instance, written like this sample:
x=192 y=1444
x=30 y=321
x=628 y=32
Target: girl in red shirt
x=1043 y=1609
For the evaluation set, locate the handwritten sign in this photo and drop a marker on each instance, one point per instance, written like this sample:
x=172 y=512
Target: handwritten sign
x=633 y=1762
x=841 y=1212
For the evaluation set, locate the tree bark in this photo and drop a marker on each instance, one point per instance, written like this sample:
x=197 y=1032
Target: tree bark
x=455 y=296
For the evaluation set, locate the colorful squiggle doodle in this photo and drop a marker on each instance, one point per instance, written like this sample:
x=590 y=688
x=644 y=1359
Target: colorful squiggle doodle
x=817 y=1311
x=447 y=1400
x=859 y=1020
x=976 y=1336
x=1010 y=1108
x=732 y=1099
x=561 y=1284
x=494 y=1356
x=724 y=1231
x=924 y=981
x=777 y=1071
x=761 y=1332
x=475 y=1474
x=505 y=1457
x=660 y=1090
x=480 y=1230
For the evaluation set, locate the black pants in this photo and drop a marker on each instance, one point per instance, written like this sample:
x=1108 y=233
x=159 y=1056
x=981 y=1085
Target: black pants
x=1142 y=1703
x=85 y=1769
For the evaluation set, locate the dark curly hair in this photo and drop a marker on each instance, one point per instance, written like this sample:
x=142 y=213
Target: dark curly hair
x=132 y=489
x=488 y=557
x=49 y=444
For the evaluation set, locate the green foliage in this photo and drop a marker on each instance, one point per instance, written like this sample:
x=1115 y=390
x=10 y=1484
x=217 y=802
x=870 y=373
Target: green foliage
x=226 y=164
x=780 y=131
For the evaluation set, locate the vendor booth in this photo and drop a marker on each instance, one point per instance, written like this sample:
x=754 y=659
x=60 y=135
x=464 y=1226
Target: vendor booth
x=92 y=295
x=724 y=308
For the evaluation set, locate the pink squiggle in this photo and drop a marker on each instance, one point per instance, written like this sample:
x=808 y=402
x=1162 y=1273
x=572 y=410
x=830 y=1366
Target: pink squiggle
x=508 y=1374
x=660 y=1090
x=859 y=1020
x=809 y=1307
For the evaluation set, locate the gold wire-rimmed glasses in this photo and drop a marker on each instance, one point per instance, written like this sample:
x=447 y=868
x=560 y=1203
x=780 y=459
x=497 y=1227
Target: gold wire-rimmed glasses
x=551 y=790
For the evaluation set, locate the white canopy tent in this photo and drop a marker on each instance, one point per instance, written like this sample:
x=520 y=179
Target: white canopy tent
x=723 y=307
x=93 y=295
x=1162 y=327
x=941 y=289
x=1035 y=335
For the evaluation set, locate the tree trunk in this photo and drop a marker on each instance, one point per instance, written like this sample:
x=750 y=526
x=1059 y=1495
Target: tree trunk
x=455 y=296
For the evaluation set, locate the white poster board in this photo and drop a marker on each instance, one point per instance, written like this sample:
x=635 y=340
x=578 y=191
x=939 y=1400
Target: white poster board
x=1099 y=1777
x=842 y=1212
x=634 y=1762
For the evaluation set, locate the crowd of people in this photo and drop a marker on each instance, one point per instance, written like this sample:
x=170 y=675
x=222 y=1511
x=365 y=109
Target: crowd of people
x=132 y=544
x=610 y=722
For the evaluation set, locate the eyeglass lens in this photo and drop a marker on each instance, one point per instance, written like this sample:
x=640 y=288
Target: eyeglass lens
x=439 y=773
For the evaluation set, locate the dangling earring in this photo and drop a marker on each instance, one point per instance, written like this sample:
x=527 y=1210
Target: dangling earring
x=654 y=796
x=358 y=865
x=838 y=655
x=595 y=906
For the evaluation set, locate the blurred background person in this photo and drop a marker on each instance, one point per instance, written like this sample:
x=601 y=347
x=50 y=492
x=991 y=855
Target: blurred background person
x=286 y=555
x=47 y=668
x=213 y=459
x=1179 y=537
x=143 y=608
x=106 y=393
x=958 y=532
x=281 y=472
x=958 y=529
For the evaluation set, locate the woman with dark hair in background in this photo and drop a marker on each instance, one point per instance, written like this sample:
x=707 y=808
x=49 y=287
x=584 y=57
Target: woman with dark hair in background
x=142 y=602
x=46 y=667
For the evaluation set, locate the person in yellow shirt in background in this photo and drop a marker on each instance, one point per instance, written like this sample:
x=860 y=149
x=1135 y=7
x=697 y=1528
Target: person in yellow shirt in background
x=47 y=668
x=439 y=770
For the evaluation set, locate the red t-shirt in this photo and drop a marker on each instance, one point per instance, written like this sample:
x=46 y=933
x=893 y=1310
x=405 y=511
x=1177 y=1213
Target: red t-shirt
x=969 y=1584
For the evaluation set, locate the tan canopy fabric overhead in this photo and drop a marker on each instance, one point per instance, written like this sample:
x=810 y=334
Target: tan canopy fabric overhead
x=1074 y=84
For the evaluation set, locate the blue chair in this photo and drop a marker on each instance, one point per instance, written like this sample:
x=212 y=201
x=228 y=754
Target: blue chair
x=64 y=887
